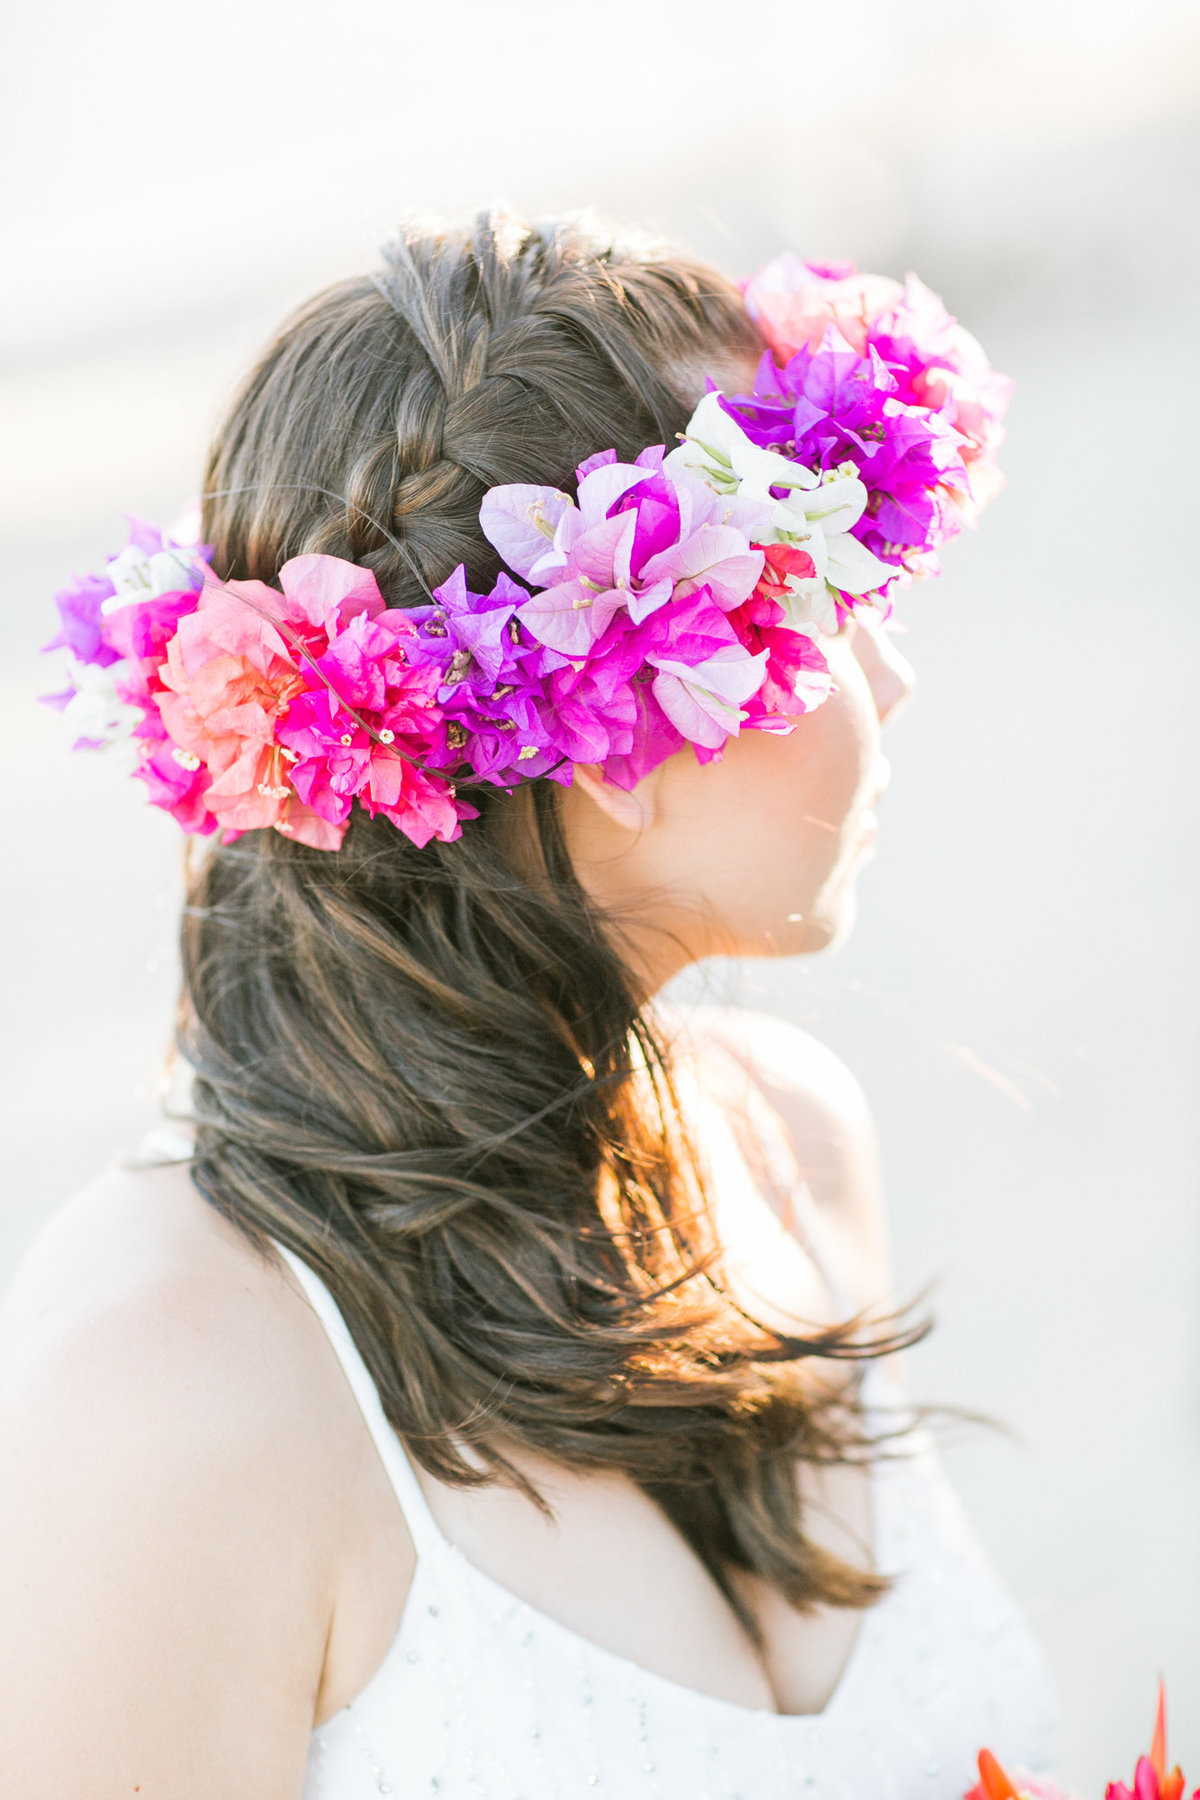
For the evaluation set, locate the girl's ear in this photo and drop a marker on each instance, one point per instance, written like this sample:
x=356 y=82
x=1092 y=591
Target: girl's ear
x=631 y=812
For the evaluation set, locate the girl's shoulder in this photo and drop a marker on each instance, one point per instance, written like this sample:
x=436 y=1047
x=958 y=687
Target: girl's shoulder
x=171 y=1404
x=142 y=1332
x=750 y=1061
x=140 y=1312
x=136 y=1266
x=810 y=1086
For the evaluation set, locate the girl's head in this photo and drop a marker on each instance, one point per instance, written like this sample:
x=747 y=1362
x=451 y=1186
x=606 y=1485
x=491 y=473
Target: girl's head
x=372 y=429
x=428 y=1069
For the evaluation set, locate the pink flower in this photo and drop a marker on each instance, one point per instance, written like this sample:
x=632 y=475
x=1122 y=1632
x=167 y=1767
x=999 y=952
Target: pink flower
x=296 y=704
x=689 y=675
x=794 y=302
x=940 y=366
x=638 y=537
x=336 y=761
x=944 y=367
x=797 y=678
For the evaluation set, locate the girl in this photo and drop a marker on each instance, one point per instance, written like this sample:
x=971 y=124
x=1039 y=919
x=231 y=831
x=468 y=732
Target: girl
x=492 y=1400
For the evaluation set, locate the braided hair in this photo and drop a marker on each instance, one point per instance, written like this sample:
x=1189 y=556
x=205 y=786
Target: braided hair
x=429 y=1071
x=389 y=405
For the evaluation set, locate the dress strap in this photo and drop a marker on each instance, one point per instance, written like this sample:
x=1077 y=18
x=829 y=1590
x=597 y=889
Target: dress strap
x=422 y=1526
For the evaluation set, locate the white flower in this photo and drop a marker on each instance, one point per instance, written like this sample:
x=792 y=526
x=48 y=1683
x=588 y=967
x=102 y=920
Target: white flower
x=717 y=449
x=816 y=515
x=143 y=575
x=819 y=520
x=96 y=714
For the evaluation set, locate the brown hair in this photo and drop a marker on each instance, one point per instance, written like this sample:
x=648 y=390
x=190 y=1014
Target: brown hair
x=426 y=1071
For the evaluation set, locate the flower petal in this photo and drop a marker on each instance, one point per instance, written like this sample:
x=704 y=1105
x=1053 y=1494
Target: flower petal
x=329 y=591
x=599 y=491
x=716 y=557
x=683 y=708
x=519 y=521
x=569 y=618
x=836 y=505
x=852 y=567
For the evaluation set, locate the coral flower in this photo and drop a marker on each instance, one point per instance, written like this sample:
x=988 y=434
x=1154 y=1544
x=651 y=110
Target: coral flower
x=1150 y=1782
x=228 y=677
x=996 y=1784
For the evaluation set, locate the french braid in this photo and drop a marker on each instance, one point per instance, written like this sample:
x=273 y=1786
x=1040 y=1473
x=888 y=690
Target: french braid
x=424 y=1070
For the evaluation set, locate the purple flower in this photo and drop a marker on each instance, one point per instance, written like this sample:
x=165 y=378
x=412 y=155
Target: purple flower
x=81 y=627
x=831 y=407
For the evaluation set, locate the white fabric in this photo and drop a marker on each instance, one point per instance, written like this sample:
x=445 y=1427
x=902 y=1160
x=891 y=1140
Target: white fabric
x=482 y=1697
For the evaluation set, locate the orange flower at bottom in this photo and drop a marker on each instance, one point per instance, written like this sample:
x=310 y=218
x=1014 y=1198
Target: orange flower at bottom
x=1150 y=1780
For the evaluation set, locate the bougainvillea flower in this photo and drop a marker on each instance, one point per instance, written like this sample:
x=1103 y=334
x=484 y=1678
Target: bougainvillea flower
x=80 y=622
x=673 y=601
x=99 y=708
x=139 y=574
x=637 y=536
x=797 y=678
x=338 y=761
x=491 y=681
x=810 y=512
x=794 y=302
x=682 y=676
x=938 y=366
x=717 y=449
x=703 y=700
x=227 y=677
x=95 y=712
x=269 y=690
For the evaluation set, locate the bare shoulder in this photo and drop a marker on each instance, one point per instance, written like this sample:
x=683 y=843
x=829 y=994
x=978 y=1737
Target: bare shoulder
x=169 y=1499
x=143 y=1330
x=137 y=1289
x=132 y=1238
x=795 y=1068
x=824 y=1112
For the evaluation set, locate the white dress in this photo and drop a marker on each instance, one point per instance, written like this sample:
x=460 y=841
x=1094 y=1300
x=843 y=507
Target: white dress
x=482 y=1697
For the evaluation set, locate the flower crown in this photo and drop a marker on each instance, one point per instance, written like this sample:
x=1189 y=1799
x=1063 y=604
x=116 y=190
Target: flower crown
x=677 y=599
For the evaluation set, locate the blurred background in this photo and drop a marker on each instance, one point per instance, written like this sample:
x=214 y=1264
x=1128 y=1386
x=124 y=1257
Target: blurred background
x=1020 y=999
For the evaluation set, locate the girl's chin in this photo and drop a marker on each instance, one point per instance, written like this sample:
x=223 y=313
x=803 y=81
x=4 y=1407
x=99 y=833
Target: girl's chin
x=832 y=917
x=829 y=928
x=824 y=928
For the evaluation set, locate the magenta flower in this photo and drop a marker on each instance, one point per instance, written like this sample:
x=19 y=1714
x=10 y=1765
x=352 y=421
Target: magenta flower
x=938 y=368
x=682 y=676
x=638 y=537
x=81 y=624
x=833 y=409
